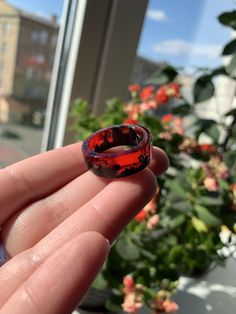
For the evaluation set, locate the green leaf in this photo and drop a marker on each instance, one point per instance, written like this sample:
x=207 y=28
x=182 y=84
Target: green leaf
x=199 y=225
x=114 y=104
x=206 y=123
x=182 y=110
x=231 y=67
x=214 y=133
x=148 y=255
x=203 y=88
x=230 y=48
x=175 y=186
x=163 y=76
x=224 y=184
x=209 y=201
x=175 y=254
x=231 y=113
x=206 y=216
x=218 y=71
x=127 y=249
x=205 y=126
x=113 y=306
x=165 y=283
x=182 y=206
x=177 y=221
x=230 y=159
x=100 y=283
x=153 y=123
x=228 y=19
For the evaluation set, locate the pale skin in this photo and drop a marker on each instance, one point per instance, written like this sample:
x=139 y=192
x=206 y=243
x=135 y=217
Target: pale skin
x=57 y=222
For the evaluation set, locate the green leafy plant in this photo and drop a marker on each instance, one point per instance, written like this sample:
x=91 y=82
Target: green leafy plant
x=179 y=231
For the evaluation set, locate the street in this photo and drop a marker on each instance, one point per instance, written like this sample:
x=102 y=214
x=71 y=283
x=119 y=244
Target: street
x=18 y=142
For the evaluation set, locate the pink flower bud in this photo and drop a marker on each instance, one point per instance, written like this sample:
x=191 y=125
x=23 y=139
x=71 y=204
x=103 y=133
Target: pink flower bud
x=153 y=221
x=128 y=281
x=170 y=306
x=211 y=184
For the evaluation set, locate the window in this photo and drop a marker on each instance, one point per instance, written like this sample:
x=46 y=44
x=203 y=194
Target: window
x=96 y=49
x=43 y=37
x=24 y=86
x=29 y=73
x=92 y=58
x=170 y=35
x=40 y=37
x=188 y=36
x=53 y=40
x=34 y=36
x=3 y=48
x=2 y=66
x=6 y=28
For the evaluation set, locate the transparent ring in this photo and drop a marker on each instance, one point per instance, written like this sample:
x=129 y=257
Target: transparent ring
x=122 y=163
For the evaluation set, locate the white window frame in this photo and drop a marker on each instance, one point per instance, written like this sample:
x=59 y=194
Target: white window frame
x=95 y=53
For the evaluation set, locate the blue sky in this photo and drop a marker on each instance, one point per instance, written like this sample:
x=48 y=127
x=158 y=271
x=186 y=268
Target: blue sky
x=185 y=32
x=41 y=7
x=181 y=32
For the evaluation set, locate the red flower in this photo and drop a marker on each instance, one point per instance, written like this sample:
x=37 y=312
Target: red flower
x=161 y=95
x=128 y=281
x=146 y=93
x=141 y=216
x=134 y=88
x=174 y=90
x=170 y=306
x=209 y=148
x=233 y=187
x=167 y=118
x=130 y=121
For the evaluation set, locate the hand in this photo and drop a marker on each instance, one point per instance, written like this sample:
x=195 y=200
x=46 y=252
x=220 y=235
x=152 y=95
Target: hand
x=55 y=219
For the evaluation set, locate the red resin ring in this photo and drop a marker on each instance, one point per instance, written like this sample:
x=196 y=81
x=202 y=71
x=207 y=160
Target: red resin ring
x=120 y=163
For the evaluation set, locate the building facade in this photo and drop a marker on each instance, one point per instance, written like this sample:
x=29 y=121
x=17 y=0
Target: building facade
x=27 y=46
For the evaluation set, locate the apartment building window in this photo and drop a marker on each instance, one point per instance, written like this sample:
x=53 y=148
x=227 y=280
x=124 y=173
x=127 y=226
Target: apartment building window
x=53 y=40
x=34 y=36
x=1 y=87
x=3 y=48
x=2 y=66
x=29 y=73
x=40 y=37
x=6 y=28
x=43 y=37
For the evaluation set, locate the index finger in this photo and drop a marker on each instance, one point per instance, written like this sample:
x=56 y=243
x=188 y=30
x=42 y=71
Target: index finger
x=37 y=177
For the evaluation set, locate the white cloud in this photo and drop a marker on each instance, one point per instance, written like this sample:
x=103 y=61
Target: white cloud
x=178 y=47
x=156 y=15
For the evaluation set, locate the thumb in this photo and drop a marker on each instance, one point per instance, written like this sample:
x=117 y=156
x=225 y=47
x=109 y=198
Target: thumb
x=61 y=281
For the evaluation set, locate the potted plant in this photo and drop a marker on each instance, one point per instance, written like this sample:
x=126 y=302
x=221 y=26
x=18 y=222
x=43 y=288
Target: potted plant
x=179 y=231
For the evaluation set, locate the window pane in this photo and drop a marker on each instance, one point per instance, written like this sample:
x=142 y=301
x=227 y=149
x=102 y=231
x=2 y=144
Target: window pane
x=28 y=36
x=188 y=36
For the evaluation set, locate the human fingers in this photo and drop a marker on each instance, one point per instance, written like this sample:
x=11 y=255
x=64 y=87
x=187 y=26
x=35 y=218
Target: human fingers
x=37 y=177
x=62 y=279
x=160 y=161
x=44 y=215
x=28 y=226
x=107 y=213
